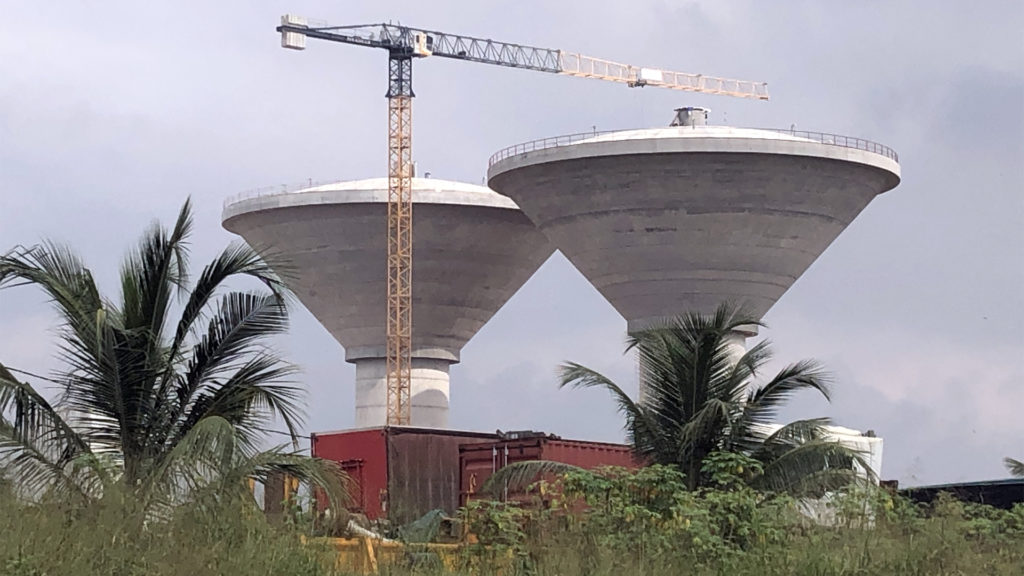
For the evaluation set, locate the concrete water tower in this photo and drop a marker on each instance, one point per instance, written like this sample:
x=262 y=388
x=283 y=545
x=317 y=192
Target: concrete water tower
x=473 y=250
x=668 y=220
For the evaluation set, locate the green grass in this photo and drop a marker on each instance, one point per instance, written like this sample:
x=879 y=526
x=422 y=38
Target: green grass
x=110 y=539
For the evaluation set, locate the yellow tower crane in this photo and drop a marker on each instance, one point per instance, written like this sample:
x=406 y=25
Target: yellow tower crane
x=405 y=43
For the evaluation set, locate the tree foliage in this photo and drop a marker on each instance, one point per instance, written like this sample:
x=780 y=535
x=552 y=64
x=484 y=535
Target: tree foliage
x=166 y=390
x=646 y=521
x=1016 y=467
x=698 y=400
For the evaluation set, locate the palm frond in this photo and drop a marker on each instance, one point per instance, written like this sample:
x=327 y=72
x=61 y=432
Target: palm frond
x=747 y=367
x=239 y=319
x=730 y=317
x=700 y=436
x=194 y=460
x=86 y=344
x=37 y=446
x=765 y=444
x=179 y=241
x=110 y=388
x=150 y=275
x=705 y=428
x=812 y=467
x=325 y=477
x=254 y=393
x=640 y=429
x=60 y=273
x=236 y=260
x=229 y=368
x=35 y=471
x=1016 y=467
x=676 y=383
x=132 y=350
x=210 y=461
x=689 y=361
x=762 y=404
x=700 y=352
x=689 y=375
x=519 y=476
x=34 y=416
x=661 y=399
x=798 y=432
x=819 y=484
x=803 y=375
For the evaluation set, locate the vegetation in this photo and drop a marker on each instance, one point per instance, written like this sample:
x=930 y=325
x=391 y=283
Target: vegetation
x=158 y=409
x=216 y=536
x=699 y=400
x=648 y=522
x=1016 y=467
x=636 y=522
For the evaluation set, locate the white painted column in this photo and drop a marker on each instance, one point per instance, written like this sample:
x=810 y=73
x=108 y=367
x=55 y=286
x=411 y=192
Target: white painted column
x=736 y=344
x=429 y=390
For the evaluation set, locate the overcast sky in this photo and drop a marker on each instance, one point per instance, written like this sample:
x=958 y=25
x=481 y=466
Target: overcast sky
x=112 y=113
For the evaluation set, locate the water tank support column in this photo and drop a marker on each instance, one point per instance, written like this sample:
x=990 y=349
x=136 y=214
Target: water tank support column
x=429 y=389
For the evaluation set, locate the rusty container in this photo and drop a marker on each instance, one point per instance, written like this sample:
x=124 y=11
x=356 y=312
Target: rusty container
x=399 y=473
x=478 y=461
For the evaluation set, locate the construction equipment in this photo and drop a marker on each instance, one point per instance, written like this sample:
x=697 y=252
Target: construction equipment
x=404 y=44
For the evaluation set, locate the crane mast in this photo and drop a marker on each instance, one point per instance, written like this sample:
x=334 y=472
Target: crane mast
x=403 y=44
x=399 y=272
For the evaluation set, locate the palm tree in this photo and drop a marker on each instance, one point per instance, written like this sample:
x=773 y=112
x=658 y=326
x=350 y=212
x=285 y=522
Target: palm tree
x=164 y=407
x=1016 y=467
x=698 y=400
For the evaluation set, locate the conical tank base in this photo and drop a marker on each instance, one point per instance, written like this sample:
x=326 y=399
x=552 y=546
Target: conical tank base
x=675 y=220
x=472 y=250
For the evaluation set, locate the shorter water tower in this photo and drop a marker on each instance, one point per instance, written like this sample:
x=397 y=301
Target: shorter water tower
x=473 y=249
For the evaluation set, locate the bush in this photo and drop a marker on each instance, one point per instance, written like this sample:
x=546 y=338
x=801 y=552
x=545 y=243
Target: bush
x=619 y=521
x=111 y=537
x=613 y=522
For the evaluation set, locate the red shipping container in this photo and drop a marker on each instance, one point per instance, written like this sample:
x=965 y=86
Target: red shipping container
x=479 y=460
x=399 y=472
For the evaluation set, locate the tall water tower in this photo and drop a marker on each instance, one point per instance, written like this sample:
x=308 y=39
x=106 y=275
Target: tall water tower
x=668 y=220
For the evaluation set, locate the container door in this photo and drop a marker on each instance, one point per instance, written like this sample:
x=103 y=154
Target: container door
x=357 y=491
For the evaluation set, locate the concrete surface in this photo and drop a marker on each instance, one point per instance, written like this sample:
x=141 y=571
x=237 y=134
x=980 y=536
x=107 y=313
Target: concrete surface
x=472 y=250
x=429 y=392
x=669 y=220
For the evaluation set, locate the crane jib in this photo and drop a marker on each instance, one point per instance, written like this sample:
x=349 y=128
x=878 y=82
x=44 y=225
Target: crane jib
x=417 y=42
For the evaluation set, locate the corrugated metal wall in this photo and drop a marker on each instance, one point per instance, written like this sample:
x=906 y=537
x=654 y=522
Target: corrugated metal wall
x=399 y=473
x=423 y=471
x=478 y=461
x=362 y=455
